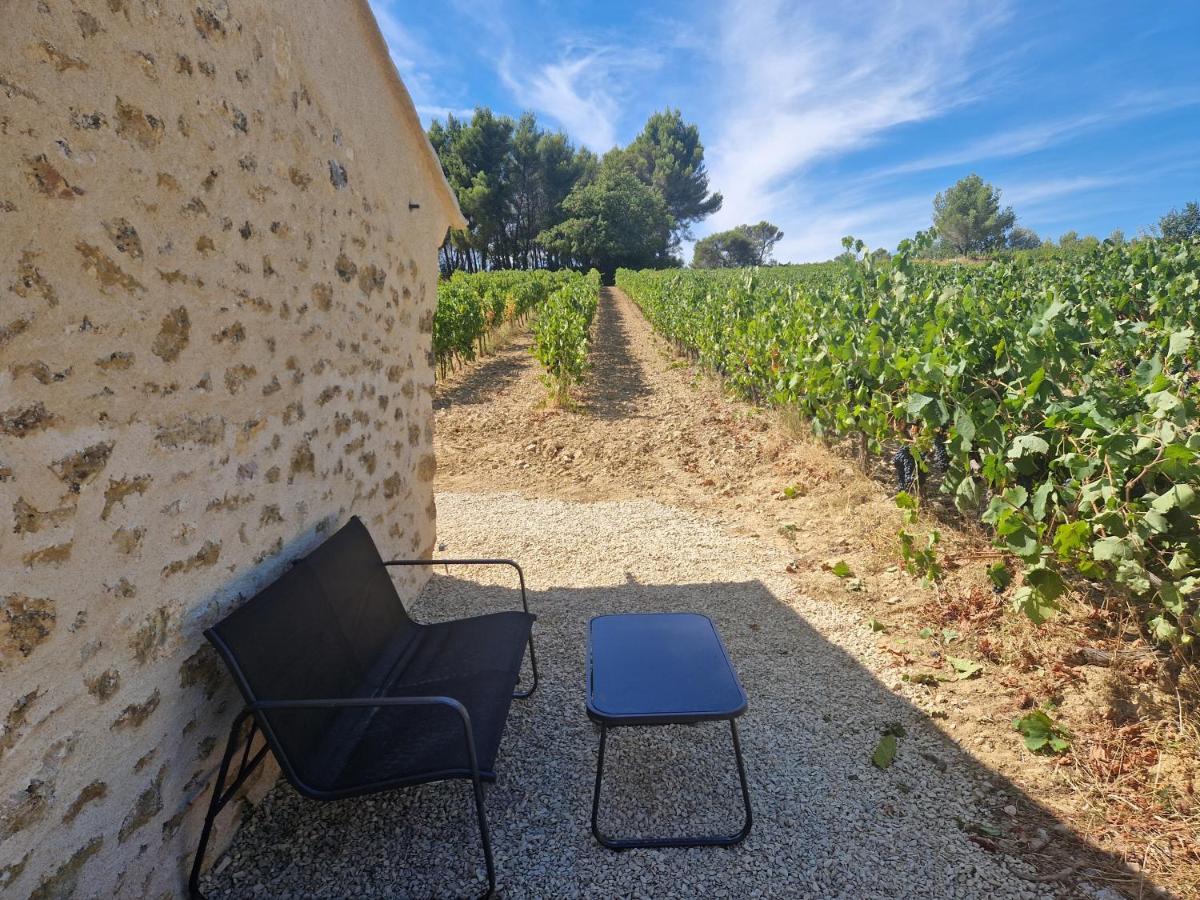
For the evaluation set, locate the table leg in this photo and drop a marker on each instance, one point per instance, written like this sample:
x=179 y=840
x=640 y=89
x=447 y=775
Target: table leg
x=724 y=840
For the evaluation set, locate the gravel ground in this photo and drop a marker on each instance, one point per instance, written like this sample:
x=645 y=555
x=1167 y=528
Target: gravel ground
x=827 y=823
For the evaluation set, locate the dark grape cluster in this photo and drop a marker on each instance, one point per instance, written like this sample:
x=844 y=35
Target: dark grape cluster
x=938 y=458
x=906 y=469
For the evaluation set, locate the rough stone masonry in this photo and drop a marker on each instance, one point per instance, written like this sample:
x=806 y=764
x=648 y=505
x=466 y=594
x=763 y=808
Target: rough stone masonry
x=215 y=315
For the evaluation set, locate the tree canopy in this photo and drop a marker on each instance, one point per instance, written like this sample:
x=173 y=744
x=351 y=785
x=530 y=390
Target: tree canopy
x=1023 y=239
x=669 y=157
x=612 y=221
x=745 y=245
x=534 y=200
x=513 y=180
x=1179 y=225
x=968 y=217
x=510 y=179
x=723 y=250
x=764 y=236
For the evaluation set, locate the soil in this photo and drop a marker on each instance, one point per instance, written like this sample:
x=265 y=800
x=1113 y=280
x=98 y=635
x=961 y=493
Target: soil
x=649 y=425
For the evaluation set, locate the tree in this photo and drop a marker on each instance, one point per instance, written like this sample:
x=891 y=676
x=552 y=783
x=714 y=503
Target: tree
x=513 y=180
x=731 y=249
x=764 y=236
x=669 y=157
x=562 y=167
x=1117 y=237
x=1180 y=225
x=968 y=216
x=745 y=245
x=527 y=200
x=476 y=160
x=1069 y=240
x=484 y=148
x=510 y=179
x=1023 y=239
x=612 y=221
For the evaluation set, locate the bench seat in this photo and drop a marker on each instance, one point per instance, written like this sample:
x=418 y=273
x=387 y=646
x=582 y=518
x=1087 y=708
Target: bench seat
x=372 y=748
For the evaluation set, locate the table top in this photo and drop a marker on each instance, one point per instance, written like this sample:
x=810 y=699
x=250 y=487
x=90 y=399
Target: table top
x=659 y=669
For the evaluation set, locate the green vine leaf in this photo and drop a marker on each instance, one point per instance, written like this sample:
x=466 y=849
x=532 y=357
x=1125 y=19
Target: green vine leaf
x=885 y=752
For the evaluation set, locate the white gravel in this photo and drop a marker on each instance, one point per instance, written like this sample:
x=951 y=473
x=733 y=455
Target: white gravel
x=827 y=823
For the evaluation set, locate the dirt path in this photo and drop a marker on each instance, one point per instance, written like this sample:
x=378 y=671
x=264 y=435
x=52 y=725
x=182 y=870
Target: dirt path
x=646 y=426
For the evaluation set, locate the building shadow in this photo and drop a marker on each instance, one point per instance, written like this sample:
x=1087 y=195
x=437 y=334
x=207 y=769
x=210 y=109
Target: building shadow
x=488 y=378
x=827 y=822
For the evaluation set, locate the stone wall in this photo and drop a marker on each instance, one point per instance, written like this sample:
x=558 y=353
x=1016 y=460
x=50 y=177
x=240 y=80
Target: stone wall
x=216 y=299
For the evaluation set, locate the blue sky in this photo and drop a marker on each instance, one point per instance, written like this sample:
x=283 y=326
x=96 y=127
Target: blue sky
x=846 y=118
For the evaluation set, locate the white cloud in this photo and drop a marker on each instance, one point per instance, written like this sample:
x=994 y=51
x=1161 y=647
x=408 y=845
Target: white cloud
x=1026 y=195
x=573 y=92
x=583 y=91
x=430 y=112
x=799 y=85
x=1042 y=135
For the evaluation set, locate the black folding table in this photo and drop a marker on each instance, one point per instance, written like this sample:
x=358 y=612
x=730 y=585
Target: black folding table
x=648 y=669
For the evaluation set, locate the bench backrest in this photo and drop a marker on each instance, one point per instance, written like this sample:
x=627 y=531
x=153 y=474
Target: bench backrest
x=321 y=631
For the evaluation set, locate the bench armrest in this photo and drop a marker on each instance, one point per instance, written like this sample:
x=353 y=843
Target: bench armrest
x=466 y=562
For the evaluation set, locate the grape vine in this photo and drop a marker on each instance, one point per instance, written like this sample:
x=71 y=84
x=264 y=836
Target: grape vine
x=562 y=333
x=563 y=303
x=1059 y=395
x=470 y=306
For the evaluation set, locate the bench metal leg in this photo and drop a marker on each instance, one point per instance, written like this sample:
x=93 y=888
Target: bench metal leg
x=521 y=695
x=726 y=840
x=485 y=839
x=222 y=795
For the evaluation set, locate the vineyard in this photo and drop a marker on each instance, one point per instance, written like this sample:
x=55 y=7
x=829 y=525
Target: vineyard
x=1053 y=399
x=471 y=307
x=562 y=333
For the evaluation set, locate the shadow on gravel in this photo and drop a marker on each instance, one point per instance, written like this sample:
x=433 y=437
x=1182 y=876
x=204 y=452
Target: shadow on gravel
x=489 y=378
x=827 y=822
x=616 y=383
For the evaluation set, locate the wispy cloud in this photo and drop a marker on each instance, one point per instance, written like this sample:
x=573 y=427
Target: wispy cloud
x=582 y=91
x=429 y=112
x=801 y=85
x=573 y=92
x=1026 y=139
x=1028 y=194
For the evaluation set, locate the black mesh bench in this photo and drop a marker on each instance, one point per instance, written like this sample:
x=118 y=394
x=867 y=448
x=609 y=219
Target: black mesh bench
x=352 y=696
